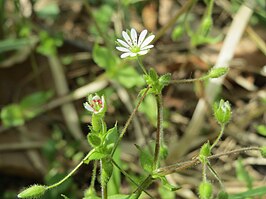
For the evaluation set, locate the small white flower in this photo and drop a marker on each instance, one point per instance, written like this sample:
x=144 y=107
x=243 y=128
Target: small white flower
x=96 y=104
x=133 y=46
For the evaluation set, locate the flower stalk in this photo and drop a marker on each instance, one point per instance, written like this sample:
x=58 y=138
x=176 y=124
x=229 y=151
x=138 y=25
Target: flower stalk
x=159 y=132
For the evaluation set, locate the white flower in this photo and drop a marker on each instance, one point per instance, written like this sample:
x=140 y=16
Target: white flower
x=133 y=46
x=96 y=104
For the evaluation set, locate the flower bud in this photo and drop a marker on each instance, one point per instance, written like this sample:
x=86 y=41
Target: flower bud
x=206 y=25
x=205 y=151
x=263 y=151
x=34 y=191
x=222 y=112
x=217 y=72
x=95 y=104
x=205 y=190
x=223 y=195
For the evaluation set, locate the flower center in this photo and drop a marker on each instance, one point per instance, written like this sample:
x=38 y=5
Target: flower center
x=97 y=104
x=135 y=49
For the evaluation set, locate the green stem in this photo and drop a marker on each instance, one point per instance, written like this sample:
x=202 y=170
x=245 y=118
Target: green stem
x=188 y=164
x=182 y=81
x=215 y=174
x=172 y=21
x=219 y=136
x=204 y=173
x=143 y=186
x=71 y=173
x=128 y=176
x=159 y=132
x=128 y=121
x=93 y=177
x=141 y=65
x=103 y=184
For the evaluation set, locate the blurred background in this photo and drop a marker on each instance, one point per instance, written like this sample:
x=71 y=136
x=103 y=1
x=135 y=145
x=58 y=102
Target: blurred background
x=53 y=53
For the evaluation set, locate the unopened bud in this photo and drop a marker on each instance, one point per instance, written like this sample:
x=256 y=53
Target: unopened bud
x=217 y=72
x=223 y=195
x=222 y=112
x=205 y=190
x=34 y=191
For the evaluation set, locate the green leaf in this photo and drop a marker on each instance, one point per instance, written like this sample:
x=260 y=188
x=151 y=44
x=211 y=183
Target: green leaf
x=146 y=160
x=97 y=155
x=260 y=191
x=129 y=77
x=51 y=10
x=94 y=140
x=12 y=115
x=106 y=171
x=165 y=79
x=31 y=104
x=119 y=196
x=261 y=129
x=114 y=184
x=110 y=139
x=169 y=186
x=65 y=197
x=15 y=44
x=242 y=174
x=104 y=57
x=153 y=75
x=177 y=32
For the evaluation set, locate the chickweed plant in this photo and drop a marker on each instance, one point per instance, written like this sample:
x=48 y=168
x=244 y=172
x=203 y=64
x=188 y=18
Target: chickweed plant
x=104 y=142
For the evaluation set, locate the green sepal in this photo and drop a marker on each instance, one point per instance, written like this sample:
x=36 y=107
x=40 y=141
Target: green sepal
x=96 y=122
x=167 y=185
x=146 y=160
x=205 y=151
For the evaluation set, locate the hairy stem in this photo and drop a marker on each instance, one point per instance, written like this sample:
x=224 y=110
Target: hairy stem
x=219 y=137
x=141 y=65
x=188 y=164
x=103 y=184
x=93 y=177
x=159 y=132
x=129 y=120
x=71 y=173
x=128 y=176
x=143 y=186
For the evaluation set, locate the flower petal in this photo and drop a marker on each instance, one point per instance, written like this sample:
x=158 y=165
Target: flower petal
x=147 y=41
x=133 y=54
x=147 y=47
x=142 y=37
x=143 y=52
x=122 y=49
x=123 y=43
x=124 y=55
x=134 y=36
x=127 y=38
x=88 y=107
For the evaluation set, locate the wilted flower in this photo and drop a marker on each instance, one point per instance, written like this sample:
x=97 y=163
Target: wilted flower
x=133 y=46
x=95 y=104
